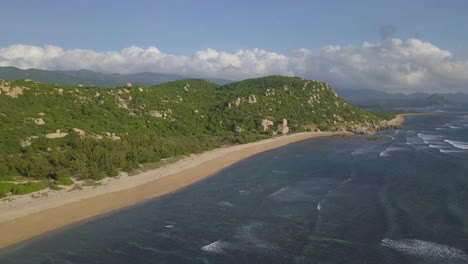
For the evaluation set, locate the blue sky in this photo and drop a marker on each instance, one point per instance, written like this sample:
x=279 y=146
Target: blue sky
x=184 y=26
x=179 y=29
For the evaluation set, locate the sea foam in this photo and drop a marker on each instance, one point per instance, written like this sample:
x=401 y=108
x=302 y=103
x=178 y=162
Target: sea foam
x=217 y=247
x=438 y=253
x=457 y=144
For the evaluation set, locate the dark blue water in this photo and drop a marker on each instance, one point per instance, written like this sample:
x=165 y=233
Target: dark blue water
x=397 y=197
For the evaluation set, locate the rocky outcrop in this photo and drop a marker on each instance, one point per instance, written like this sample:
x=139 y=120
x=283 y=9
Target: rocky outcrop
x=314 y=98
x=156 y=114
x=266 y=124
x=283 y=128
x=129 y=84
x=39 y=121
x=80 y=132
x=238 y=101
x=163 y=114
x=27 y=142
x=57 y=134
x=112 y=136
x=252 y=99
x=13 y=92
x=392 y=123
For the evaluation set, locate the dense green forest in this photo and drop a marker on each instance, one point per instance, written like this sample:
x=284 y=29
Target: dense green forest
x=53 y=134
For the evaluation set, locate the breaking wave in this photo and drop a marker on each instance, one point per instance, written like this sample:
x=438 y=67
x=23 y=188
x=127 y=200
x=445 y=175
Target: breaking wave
x=457 y=144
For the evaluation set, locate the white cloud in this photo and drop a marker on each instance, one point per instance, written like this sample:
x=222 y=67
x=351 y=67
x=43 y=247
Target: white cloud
x=394 y=65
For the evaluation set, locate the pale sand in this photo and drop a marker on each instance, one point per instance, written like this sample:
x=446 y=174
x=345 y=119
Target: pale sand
x=25 y=217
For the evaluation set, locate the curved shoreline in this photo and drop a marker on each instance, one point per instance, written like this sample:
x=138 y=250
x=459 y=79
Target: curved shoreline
x=28 y=217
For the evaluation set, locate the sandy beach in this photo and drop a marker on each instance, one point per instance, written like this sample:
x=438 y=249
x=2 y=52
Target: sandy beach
x=28 y=216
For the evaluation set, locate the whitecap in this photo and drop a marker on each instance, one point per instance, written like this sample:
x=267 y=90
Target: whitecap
x=217 y=247
x=420 y=248
x=390 y=149
x=319 y=206
x=457 y=144
x=289 y=194
x=226 y=204
x=357 y=152
x=450 y=151
x=384 y=154
x=278 y=172
x=427 y=137
x=169 y=226
x=244 y=192
x=438 y=146
x=345 y=181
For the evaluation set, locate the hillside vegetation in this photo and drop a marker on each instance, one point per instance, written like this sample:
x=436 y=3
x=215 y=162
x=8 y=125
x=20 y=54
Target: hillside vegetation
x=56 y=133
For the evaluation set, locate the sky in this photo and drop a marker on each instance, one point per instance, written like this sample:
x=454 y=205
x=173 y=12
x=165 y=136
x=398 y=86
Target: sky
x=395 y=46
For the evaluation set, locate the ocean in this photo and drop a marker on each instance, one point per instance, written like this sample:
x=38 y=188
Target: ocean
x=399 y=196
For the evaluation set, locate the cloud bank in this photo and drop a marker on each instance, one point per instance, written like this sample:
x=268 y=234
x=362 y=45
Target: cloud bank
x=394 y=65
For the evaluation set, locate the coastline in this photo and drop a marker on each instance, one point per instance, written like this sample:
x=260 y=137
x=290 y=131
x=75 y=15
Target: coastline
x=29 y=216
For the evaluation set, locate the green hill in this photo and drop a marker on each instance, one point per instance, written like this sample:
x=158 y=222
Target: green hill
x=51 y=132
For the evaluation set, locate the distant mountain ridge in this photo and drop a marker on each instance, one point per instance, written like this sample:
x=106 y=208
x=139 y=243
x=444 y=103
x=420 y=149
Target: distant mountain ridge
x=379 y=99
x=92 y=78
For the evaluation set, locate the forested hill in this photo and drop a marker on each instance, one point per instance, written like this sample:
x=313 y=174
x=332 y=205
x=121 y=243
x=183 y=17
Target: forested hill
x=57 y=132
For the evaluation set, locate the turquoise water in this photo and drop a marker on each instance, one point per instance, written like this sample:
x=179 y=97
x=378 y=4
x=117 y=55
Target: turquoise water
x=397 y=197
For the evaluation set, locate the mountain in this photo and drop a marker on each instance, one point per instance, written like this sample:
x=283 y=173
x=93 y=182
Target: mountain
x=378 y=99
x=91 y=78
x=53 y=132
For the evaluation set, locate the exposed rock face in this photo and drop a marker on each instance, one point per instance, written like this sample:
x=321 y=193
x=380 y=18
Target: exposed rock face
x=39 y=121
x=8 y=90
x=252 y=99
x=57 y=134
x=163 y=114
x=123 y=103
x=393 y=123
x=129 y=84
x=314 y=98
x=238 y=101
x=266 y=124
x=112 y=136
x=80 y=132
x=140 y=89
x=27 y=142
x=186 y=87
x=60 y=91
x=283 y=127
x=156 y=114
